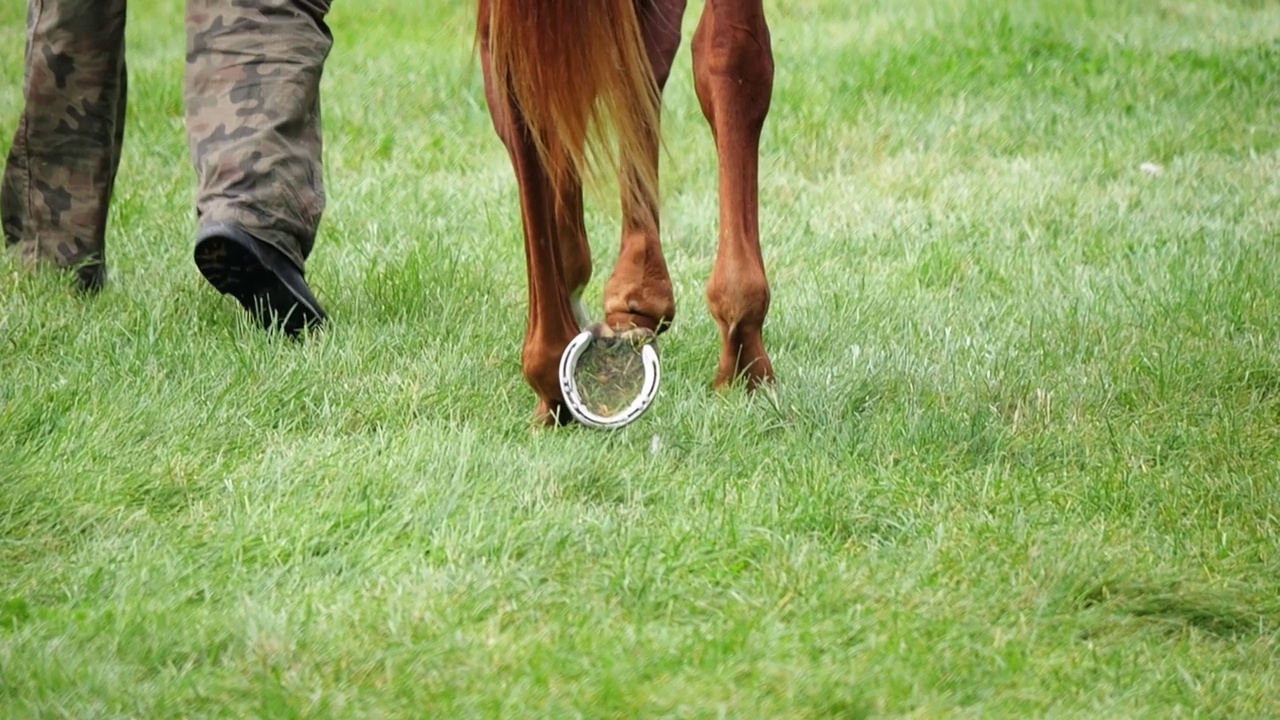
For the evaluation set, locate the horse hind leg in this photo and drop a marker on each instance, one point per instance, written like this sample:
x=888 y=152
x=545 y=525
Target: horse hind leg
x=733 y=76
x=638 y=294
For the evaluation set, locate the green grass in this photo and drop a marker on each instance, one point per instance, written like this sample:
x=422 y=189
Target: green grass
x=1023 y=459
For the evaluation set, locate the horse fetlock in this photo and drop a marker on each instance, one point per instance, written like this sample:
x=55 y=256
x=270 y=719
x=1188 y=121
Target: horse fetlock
x=639 y=293
x=739 y=302
x=738 y=299
x=540 y=365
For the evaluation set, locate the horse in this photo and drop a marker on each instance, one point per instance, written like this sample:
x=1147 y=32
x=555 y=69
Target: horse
x=573 y=85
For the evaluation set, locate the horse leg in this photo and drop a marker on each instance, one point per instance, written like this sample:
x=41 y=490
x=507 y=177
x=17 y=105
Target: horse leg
x=575 y=252
x=638 y=293
x=557 y=257
x=733 y=75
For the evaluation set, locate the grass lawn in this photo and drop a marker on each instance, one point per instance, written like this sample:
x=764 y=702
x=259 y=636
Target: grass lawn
x=1023 y=459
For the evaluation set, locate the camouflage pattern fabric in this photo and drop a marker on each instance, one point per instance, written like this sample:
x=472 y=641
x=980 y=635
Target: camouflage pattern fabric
x=62 y=164
x=252 y=97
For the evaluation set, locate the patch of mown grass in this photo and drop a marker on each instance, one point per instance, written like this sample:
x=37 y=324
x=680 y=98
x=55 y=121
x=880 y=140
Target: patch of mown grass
x=1020 y=461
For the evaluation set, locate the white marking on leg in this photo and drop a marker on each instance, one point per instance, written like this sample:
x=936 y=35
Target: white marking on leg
x=579 y=309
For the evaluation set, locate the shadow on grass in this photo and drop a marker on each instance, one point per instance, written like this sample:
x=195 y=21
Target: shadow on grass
x=1231 y=613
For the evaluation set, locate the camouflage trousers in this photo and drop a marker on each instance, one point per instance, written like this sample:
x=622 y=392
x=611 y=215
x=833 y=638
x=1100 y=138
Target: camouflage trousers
x=252 y=96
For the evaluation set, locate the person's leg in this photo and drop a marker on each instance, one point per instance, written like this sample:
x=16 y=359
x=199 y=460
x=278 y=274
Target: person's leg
x=253 y=125
x=62 y=165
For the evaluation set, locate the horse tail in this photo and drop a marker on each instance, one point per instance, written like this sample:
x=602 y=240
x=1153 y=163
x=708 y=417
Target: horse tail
x=579 y=74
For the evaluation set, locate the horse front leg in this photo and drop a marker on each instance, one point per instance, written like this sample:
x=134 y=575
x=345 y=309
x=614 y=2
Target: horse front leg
x=733 y=75
x=557 y=257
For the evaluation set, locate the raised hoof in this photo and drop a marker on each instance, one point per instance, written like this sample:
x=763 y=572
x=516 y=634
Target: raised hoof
x=637 y=335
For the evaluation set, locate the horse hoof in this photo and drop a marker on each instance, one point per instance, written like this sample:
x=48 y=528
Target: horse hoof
x=609 y=378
